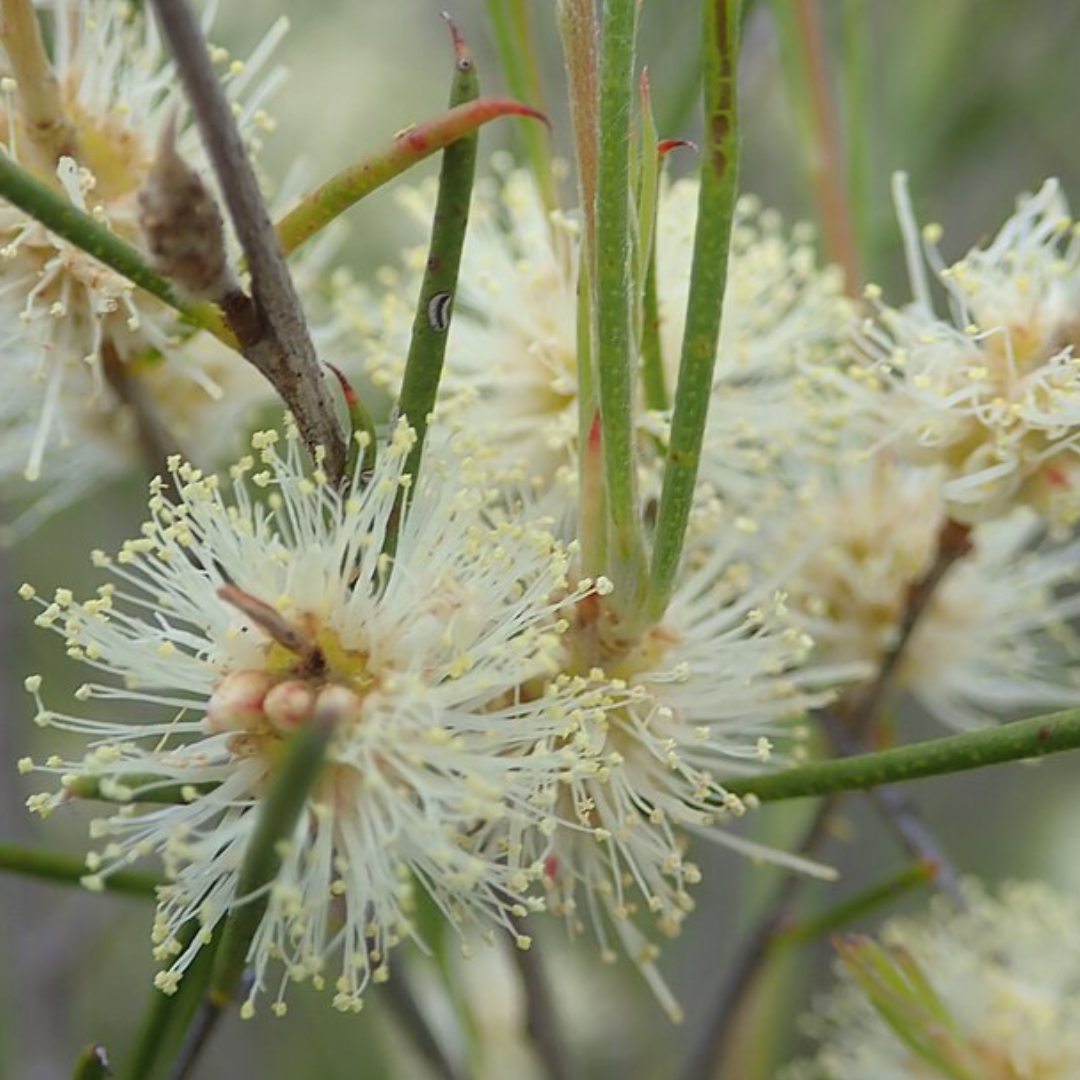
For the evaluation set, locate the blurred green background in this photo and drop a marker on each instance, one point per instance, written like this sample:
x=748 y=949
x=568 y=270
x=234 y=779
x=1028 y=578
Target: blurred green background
x=977 y=100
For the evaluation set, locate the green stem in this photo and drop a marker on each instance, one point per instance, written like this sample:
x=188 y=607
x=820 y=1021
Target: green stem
x=34 y=197
x=509 y=20
x=653 y=376
x=431 y=325
x=614 y=296
x=858 y=907
x=346 y=188
x=1022 y=739
x=92 y=1064
x=299 y=770
x=170 y=1015
x=71 y=871
x=708 y=278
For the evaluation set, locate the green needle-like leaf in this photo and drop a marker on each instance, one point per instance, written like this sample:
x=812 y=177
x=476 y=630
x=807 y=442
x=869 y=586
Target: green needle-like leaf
x=614 y=292
x=346 y=188
x=859 y=906
x=431 y=325
x=1017 y=741
x=708 y=278
x=50 y=866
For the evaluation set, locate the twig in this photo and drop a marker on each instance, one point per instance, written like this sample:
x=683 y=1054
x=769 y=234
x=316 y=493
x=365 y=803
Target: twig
x=541 y=1018
x=397 y=995
x=206 y=1020
x=156 y=441
x=862 y=709
x=277 y=341
x=753 y=953
x=827 y=169
x=900 y=814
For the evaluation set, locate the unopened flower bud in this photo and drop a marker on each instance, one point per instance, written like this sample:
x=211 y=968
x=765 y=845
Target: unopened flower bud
x=289 y=704
x=237 y=703
x=341 y=703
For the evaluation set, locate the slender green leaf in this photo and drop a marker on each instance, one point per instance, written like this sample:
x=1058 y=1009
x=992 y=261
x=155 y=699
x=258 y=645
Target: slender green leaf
x=614 y=290
x=708 y=278
x=347 y=187
x=1020 y=740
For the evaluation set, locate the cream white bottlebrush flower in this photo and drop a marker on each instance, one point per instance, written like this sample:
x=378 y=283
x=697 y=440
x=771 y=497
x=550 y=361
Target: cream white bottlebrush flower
x=513 y=356
x=72 y=326
x=228 y=622
x=991 y=391
x=995 y=639
x=702 y=696
x=989 y=991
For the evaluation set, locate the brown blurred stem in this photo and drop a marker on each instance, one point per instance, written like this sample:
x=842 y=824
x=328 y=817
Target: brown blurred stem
x=899 y=813
x=754 y=951
x=273 y=333
x=156 y=441
x=541 y=1017
x=399 y=998
x=827 y=157
x=863 y=706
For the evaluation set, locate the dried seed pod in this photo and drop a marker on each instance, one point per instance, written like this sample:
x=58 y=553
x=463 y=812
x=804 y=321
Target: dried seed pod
x=182 y=225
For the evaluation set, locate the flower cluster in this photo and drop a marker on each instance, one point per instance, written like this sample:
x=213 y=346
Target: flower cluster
x=90 y=361
x=991 y=393
x=510 y=734
x=984 y=991
x=512 y=362
x=262 y=617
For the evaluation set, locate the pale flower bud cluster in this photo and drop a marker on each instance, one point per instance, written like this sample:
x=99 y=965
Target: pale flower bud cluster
x=991 y=991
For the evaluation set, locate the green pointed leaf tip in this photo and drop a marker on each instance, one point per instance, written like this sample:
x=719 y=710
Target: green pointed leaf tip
x=353 y=183
x=93 y=1064
x=903 y=996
